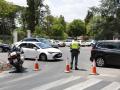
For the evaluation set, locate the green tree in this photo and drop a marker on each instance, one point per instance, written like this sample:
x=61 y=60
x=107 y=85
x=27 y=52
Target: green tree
x=7 y=16
x=21 y=33
x=94 y=27
x=6 y=9
x=76 y=28
x=88 y=17
x=108 y=23
x=49 y=24
x=39 y=32
x=31 y=15
x=57 y=31
x=62 y=22
x=34 y=13
x=58 y=28
x=23 y=19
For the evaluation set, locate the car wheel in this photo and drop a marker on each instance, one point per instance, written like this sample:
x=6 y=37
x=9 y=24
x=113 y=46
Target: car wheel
x=1 y=50
x=7 y=50
x=100 y=62
x=43 y=57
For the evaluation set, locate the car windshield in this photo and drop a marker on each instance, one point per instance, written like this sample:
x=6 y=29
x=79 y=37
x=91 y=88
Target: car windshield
x=43 y=40
x=43 y=45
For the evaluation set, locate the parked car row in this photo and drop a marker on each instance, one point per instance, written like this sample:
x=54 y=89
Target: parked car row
x=51 y=42
x=83 y=43
x=59 y=43
x=68 y=42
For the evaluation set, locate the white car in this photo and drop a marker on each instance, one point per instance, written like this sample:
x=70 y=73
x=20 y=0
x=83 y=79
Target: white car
x=68 y=42
x=87 y=42
x=39 y=50
x=83 y=43
x=60 y=43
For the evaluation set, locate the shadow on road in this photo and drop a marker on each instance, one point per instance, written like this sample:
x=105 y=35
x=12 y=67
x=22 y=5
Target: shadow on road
x=80 y=70
x=111 y=66
x=56 y=60
x=83 y=70
x=24 y=70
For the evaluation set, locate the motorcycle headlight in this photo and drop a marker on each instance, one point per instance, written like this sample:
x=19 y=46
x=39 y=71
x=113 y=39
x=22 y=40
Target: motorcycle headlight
x=22 y=57
x=13 y=54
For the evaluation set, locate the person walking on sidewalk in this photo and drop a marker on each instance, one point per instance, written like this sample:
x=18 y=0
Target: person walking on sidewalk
x=75 y=50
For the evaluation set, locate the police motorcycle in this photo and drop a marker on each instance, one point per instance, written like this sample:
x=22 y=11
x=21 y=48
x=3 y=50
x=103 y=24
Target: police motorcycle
x=16 y=58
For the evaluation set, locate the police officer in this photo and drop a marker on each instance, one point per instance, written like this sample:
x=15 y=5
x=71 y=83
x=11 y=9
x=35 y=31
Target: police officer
x=74 y=48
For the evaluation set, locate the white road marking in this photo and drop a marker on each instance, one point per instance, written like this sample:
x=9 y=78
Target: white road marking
x=56 y=83
x=108 y=75
x=102 y=75
x=84 y=84
x=18 y=79
x=112 y=86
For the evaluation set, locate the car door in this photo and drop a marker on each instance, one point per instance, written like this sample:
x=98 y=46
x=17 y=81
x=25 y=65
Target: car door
x=24 y=48
x=113 y=54
x=117 y=57
x=117 y=54
x=31 y=51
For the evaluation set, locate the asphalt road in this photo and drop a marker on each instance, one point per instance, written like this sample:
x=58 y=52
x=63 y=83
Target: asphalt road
x=51 y=75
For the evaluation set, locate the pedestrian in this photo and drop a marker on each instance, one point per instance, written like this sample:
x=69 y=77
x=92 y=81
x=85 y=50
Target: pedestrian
x=75 y=50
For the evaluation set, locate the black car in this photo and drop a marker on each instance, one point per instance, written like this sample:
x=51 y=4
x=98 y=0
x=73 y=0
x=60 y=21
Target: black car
x=106 y=52
x=5 y=48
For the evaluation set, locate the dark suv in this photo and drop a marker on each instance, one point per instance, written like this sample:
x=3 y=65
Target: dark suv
x=106 y=52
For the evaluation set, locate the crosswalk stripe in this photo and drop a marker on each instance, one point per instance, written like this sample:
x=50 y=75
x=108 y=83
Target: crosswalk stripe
x=84 y=84
x=112 y=86
x=56 y=83
x=21 y=78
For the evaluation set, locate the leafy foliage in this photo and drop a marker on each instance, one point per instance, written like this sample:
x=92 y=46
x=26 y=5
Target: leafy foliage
x=106 y=20
x=76 y=28
x=58 y=28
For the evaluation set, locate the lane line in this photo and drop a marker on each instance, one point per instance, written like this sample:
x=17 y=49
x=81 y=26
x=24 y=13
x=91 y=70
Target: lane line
x=57 y=83
x=84 y=84
x=112 y=86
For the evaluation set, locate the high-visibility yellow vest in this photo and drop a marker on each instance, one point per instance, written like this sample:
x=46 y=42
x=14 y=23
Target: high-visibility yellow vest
x=75 y=45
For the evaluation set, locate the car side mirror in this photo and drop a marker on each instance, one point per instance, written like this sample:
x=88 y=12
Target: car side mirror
x=35 y=48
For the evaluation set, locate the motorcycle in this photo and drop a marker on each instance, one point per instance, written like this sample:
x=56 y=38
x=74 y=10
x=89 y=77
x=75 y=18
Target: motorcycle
x=16 y=58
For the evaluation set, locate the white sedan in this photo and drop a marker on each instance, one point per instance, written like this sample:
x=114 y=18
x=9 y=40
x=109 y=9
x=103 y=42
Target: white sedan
x=39 y=50
x=68 y=42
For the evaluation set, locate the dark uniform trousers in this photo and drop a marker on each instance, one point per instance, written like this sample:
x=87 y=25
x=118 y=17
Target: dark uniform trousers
x=74 y=56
